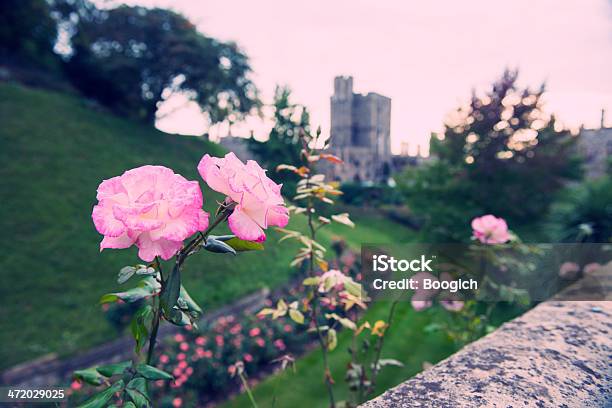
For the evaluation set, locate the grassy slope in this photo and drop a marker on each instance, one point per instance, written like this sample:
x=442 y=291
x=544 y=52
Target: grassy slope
x=54 y=151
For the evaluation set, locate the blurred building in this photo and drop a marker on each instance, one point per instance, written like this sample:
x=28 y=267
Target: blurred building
x=360 y=134
x=595 y=145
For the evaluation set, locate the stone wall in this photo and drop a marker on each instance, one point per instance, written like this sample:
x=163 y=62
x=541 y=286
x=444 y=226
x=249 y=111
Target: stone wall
x=559 y=354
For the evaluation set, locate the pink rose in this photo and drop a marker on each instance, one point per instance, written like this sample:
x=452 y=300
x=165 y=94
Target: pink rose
x=259 y=203
x=420 y=305
x=489 y=229
x=569 y=270
x=452 y=305
x=149 y=206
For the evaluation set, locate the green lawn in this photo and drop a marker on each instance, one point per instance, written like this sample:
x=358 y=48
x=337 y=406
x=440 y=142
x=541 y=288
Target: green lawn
x=55 y=149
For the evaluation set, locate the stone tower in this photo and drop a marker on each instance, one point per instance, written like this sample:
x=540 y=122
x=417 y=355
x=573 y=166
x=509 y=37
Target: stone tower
x=360 y=134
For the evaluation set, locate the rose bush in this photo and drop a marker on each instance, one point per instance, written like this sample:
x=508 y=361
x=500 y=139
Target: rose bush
x=157 y=210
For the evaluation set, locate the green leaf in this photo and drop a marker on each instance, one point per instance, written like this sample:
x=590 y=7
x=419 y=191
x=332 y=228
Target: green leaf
x=125 y=273
x=90 y=376
x=332 y=339
x=146 y=287
x=100 y=399
x=343 y=219
x=241 y=245
x=137 y=391
x=345 y=322
x=191 y=304
x=219 y=247
x=129 y=404
x=109 y=370
x=296 y=316
x=141 y=325
x=179 y=318
x=152 y=373
x=353 y=287
x=171 y=291
x=222 y=237
x=314 y=281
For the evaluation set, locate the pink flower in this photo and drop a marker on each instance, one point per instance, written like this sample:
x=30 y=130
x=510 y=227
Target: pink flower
x=254 y=332
x=181 y=356
x=280 y=344
x=184 y=346
x=182 y=365
x=489 y=229
x=332 y=279
x=219 y=340
x=76 y=385
x=164 y=359
x=259 y=203
x=420 y=305
x=452 y=305
x=569 y=270
x=149 y=206
x=200 y=341
x=179 y=337
x=591 y=268
x=287 y=328
x=177 y=402
x=248 y=358
x=260 y=342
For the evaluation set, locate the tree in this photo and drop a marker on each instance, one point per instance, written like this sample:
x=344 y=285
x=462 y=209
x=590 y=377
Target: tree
x=283 y=144
x=27 y=32
x=501 y=154
x=133 y=58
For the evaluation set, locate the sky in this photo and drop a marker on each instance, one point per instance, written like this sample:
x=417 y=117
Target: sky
x=427 y=56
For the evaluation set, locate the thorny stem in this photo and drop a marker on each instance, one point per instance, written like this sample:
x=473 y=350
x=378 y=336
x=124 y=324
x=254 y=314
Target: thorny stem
x=180 y=258
x=315 y=305
x=379 y=347
x=248 y=389
x=156 y=319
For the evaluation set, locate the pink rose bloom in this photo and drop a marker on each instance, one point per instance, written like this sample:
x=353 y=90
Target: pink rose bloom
x=489 y=229
x=259 y=203
x=591 y=268
x=420 y=305
x=177 y=402
x=184 y=346
x=569 y=270
x=452 y=305
x=164 y=359
x=149 y=206
x=179 y=338
x=280 y=344
x=260 y=342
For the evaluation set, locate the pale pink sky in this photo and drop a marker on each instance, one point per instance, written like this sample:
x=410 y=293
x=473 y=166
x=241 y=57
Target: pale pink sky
x=426 y=55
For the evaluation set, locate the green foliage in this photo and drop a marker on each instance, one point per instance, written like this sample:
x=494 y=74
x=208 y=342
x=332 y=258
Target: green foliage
x=501 y=155
x=585 y=212
x=27 y=32
x=283 y=145
x=132 y=58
